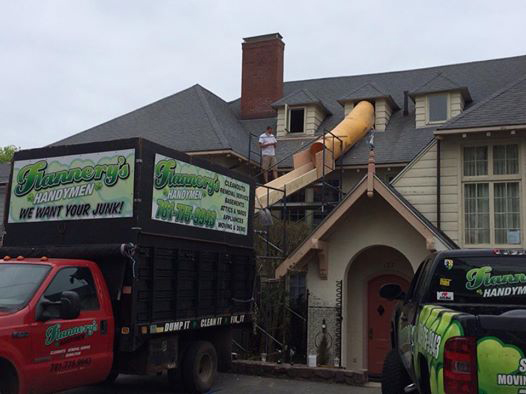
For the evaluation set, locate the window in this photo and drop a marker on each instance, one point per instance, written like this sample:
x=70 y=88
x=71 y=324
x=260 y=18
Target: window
x=296 y=214
x=328 y=192
x=297 y=120
x=507 y=213
x=491 y=179
x=476 y=212
x=505 y=159
x=18 y=283
x=437 y=108
x=77 y=279
x=476 y=161
x=297 y=288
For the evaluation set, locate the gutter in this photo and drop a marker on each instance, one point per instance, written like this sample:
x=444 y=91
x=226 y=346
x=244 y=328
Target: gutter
x=216 y=152
x=479 y=129
x=438 y=185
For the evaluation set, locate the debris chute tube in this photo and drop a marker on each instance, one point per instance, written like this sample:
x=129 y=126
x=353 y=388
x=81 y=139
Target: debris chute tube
x=308 y=163
x=349 y=131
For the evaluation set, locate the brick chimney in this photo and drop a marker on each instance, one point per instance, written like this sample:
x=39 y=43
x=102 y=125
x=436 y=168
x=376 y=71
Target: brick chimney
x=262 y=75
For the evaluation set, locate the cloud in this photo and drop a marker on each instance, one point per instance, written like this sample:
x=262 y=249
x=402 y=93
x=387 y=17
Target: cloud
x=72 y=65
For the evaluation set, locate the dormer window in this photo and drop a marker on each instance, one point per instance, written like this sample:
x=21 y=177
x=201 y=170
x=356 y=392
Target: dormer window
x=300 y=112
x=437 y=108
x=438 y=100
x=296 y=120
x=384 y=105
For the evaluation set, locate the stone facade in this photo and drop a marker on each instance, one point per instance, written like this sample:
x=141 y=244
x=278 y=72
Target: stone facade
x=317 y=314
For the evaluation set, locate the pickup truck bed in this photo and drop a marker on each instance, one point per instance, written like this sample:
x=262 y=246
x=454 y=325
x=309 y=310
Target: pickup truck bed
x=461 y=328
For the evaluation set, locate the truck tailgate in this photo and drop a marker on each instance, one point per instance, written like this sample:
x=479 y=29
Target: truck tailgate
x=501 y=350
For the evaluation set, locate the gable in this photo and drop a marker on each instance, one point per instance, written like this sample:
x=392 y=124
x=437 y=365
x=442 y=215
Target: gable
x=369 y=188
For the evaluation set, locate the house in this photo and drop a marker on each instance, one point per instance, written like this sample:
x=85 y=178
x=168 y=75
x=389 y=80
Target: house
x=448 y=171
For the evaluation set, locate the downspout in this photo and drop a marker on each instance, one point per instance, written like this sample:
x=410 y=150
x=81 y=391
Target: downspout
x=438 y=184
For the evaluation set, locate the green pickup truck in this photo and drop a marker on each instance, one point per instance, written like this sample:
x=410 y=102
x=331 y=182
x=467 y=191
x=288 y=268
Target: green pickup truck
x=461 y=327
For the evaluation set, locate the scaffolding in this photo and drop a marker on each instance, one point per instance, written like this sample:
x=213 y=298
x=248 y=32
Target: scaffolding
x=272 y=253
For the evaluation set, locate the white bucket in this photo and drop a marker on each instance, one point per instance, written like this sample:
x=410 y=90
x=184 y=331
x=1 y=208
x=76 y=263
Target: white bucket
x=311 y=360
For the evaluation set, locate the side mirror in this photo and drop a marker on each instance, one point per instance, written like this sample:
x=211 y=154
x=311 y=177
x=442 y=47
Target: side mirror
x=67 y=308
x=69 y=305
x=392 y=291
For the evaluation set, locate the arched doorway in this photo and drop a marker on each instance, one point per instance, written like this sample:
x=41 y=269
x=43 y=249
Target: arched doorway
x=368 y=317
x=379 y=313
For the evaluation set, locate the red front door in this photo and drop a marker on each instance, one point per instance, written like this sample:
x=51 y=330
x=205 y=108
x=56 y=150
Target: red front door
x=379 y=313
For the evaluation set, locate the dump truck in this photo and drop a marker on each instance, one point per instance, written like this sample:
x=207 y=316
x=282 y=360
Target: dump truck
x=122 y=256
x=460 y=328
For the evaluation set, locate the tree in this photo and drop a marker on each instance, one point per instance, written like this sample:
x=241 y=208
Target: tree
x=6 y=153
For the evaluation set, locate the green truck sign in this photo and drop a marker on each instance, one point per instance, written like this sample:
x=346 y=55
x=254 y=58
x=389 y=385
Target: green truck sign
x=77 y=187
x=189 y=195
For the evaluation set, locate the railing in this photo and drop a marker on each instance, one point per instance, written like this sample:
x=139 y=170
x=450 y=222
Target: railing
x=283 y=216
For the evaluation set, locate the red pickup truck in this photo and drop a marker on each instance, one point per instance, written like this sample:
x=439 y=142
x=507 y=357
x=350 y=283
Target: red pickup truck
x=122 y=257
x=56 y=325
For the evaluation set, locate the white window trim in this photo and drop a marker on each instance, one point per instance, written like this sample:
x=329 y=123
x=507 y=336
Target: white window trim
x=448 y=106
x=304 y=108
x=491 y=180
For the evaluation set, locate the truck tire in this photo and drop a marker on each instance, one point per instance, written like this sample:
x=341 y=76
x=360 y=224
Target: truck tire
x=199 y=367
x=111 y=378
x=8 y=379
x=223 y=346
x=394 y=375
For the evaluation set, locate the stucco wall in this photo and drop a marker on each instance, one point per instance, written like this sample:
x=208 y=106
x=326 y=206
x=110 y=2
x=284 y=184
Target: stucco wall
x=369 y=222
x=372 y=262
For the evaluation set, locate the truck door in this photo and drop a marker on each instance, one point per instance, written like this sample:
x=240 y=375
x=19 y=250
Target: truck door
x=409 y=311
x=72 y=352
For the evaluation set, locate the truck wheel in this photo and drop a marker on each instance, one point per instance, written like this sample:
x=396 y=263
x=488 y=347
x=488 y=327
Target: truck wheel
x=394 y=375
x=199 y=367
x=8 y=379
x=111 y=378
x=223 y=346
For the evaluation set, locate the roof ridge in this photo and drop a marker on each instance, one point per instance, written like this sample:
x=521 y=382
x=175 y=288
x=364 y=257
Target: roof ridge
x=306 y=91
x=432 y=79
x=211 y=117
x=481 y=103
x=311 y=95
x=126 y=114
x=372 y=84
x=410 y=70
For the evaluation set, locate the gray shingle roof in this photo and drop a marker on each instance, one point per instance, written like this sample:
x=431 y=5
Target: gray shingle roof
x=401 y=141
x=504 y=108
x=300 y=97
x=440 y=83
x=197 y=120
x=192 y=120
x=5 y=170
x=366 y=92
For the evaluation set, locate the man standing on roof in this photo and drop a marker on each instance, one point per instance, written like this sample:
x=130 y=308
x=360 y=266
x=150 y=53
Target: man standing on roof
x=267 y=143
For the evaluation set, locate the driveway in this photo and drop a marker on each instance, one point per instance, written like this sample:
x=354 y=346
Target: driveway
x=228 y=383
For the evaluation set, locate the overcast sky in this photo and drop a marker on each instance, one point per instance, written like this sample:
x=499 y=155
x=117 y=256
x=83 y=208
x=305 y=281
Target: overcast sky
x=68 y=65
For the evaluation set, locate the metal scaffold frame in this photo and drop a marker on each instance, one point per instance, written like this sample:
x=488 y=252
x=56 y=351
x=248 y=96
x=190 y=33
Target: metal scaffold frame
x=254 y=155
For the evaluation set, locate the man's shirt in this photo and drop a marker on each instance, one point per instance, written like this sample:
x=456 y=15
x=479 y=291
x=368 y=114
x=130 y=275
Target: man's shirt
x=268 y=139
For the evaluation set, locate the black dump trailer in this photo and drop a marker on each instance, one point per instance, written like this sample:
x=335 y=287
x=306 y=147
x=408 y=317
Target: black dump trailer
x=172 y=235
